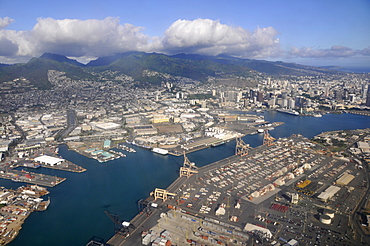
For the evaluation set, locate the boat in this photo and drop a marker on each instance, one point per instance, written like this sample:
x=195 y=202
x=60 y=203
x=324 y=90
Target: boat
x=31 y=165
x=287 y=111
x=160 y=151
x=43 y=205
x=317 y=115
x=217 y=143
x=141 y=145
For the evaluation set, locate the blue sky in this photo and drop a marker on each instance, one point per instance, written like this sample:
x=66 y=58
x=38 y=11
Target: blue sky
x=315 y=32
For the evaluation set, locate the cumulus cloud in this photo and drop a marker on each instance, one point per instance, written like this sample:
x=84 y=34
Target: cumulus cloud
x=93 y=38
x=87 y=37
x=90 y=38
x=207 y=36
x=71 y=37
x=334 y=51
x=4 y=22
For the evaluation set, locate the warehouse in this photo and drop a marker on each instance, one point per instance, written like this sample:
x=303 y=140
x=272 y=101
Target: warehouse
x=345 y=179
x=328 y=193
x=254 y=228
x=49 y=160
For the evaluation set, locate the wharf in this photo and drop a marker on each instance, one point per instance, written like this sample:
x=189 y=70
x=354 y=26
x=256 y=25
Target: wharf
x=31 y=178
x=67 y=166
x=8 y=170
x=206 y=142
x=248 y=188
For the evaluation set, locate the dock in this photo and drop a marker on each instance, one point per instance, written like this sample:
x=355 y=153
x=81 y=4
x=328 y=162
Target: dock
x=232 y=197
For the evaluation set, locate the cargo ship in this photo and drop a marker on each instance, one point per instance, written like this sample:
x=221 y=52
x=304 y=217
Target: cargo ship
x=287 y=111
x=160 y=151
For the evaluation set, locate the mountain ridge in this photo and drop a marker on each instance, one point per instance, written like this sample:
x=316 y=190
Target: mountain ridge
x=134 y=63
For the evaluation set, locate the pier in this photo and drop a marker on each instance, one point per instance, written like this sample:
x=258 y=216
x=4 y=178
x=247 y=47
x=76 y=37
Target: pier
x=228 y=199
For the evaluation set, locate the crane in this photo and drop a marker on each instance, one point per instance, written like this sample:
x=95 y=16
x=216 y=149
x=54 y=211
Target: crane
x=121 y=227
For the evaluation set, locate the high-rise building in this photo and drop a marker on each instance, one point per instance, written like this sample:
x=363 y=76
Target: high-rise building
x=259 y=96
x=368 y=97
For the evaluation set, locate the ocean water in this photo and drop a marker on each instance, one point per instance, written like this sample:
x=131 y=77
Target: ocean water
x=76 y=212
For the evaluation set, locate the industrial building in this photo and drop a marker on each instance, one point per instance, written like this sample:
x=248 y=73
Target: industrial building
x=344 y=179
x=49 y=160
x=328 y=193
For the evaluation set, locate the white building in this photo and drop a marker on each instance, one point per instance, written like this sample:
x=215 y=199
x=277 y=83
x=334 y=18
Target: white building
x=49 y=160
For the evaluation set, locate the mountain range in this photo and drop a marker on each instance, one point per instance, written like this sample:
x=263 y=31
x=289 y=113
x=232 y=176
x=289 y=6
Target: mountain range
x=197 y=67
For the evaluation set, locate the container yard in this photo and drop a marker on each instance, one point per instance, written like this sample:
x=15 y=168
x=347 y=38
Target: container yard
x=273 y=193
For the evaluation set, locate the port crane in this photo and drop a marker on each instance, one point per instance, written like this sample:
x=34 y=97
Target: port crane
x=162 y=194
x=120 y=227
x=188 y=168
x=144 y=206
x=268 y=140
x=241 y=147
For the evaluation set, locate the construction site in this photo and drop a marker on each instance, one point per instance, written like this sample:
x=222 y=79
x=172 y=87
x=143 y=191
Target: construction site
x=268 y=195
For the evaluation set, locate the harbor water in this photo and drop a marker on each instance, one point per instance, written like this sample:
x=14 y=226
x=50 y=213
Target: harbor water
x=77 y=209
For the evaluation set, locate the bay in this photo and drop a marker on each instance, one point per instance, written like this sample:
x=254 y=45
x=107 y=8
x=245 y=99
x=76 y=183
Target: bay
x=77 y=209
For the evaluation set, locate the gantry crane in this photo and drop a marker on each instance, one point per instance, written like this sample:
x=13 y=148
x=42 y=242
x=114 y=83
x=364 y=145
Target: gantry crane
x=241 y=147
x=188 y=168
x=161 y=194
x=268 y=140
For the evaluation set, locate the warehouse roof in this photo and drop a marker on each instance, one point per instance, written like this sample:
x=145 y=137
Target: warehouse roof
x=329 y=192
x=345 y=179
x=49 y=160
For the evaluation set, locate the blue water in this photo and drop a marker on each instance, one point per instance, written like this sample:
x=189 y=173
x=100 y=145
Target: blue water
x=76 y=212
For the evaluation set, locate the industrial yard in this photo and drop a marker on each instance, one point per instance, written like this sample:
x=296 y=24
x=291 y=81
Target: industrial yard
x=284 y=192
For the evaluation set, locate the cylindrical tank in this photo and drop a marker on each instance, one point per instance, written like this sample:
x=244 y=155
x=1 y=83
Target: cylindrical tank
x=325 y=219
x=329 y=213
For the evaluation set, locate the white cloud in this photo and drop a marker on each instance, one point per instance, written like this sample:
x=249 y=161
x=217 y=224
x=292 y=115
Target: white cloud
x=207 y=36
x=4 y=22
x=72 y=38
x=85 y=39
x=334 y=51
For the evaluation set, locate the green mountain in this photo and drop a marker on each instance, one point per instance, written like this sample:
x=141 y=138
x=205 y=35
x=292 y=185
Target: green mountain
x=262 y=66
x=134 y=63
x=62 y=59
x=37 y=68
x=197 y=67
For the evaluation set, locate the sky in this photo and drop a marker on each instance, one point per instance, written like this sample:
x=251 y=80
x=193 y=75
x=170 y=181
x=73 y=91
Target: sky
x=309 y=32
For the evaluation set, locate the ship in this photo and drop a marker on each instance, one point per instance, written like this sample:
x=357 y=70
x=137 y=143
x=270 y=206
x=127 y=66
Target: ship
x=140 y=145
x=217 y=143
x=287 y=111
x=43 y=205
x=160 y=151
x=31 y=165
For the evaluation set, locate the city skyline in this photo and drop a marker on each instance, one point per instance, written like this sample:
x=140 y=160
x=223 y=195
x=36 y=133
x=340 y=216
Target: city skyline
x=310 y=33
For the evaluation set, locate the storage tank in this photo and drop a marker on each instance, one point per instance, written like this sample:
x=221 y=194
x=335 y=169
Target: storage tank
x=255 y=194
x=325 y=219
x=306 y=166
x=279 y=181
x=290 y=176
x=329 y=213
